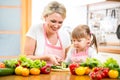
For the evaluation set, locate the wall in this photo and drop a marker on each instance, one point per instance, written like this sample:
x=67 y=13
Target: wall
x=76 y=14
x=103 y=56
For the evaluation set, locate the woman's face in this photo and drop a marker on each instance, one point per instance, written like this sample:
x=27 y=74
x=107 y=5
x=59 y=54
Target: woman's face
x=53 y=22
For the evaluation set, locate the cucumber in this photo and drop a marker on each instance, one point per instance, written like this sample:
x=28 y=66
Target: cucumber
x=6 y=71
x=56 y=67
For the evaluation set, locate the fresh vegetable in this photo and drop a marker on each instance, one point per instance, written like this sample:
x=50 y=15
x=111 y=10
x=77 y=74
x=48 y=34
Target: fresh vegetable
x=72 y=67
x=29 y=63
x=80 y=70
x=91 y=63
x=65 y=64
x=37 y=64
x=118 y=69
x=18 y=70
x=35 y=71
x=95 y=76
x=18 y=63
x=2 y=65
x=111 y=63
x=25 y=72
x=113 y=74
x=105 y=71
x=56 y=67
x=6 y=71
x=98 y=73
x=62 y=66
x=24 y=62
x=11 y=63
x=87 y=70
x=45 y=69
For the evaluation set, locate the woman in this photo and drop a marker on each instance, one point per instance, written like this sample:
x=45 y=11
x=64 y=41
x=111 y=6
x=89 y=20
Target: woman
x=47 y=41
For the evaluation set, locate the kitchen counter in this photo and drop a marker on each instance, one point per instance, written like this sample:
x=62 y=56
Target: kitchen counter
x=51 y=76
x=109 y=49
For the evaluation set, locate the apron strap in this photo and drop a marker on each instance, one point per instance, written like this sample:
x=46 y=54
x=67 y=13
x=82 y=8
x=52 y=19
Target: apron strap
x=46 y=38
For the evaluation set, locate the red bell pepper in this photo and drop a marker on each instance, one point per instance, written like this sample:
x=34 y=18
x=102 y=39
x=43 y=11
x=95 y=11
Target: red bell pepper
x=72 y=67
x=45 y=69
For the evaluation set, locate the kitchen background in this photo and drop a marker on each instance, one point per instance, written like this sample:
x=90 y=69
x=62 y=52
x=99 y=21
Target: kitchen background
x=16 y=16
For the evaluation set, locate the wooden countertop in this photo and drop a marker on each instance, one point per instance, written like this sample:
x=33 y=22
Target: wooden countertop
x=51 y=76
x=110 y=48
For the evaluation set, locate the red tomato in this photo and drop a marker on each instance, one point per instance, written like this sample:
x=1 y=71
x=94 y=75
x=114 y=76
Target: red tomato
x=98 y=76
x=103 y=74
x=92 y=75
x=98 y=73
x=2 y=65
x=105 y=71
x=72 y=68
x=96 y=69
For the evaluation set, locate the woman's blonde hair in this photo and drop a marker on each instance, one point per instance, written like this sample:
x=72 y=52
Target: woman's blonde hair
x=83 y=31
x=54 y=7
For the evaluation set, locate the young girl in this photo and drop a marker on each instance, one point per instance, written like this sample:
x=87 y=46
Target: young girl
x=84 y=45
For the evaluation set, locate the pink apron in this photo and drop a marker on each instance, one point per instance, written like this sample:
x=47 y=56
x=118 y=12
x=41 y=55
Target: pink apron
x=79 y=57
x=52 y=49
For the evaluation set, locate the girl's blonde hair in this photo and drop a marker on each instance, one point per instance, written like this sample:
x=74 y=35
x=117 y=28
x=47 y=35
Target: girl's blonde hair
x=54 y=7
x=83 y=31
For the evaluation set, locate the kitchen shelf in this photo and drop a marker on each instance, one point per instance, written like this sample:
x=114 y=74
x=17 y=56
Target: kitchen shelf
x=109 y=49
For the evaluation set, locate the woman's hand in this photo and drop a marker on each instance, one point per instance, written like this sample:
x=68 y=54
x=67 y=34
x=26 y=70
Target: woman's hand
x=54 y=59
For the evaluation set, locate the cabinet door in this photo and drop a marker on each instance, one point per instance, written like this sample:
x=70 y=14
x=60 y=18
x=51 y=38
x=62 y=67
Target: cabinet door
x=12 y=16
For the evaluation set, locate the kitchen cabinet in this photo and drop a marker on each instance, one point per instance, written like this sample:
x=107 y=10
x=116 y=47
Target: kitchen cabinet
x=103 y=19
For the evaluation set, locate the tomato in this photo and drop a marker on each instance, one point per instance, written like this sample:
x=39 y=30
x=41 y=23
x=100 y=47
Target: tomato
x=2 y=65
x=96 y=69
x=34 y=71
x=103 y=74
x=92 y=75
x=98 y=73
x=72 y=67
x=105 y=71
x=98 y=76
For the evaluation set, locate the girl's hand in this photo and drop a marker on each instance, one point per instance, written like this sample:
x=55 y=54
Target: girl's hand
x=77 y=60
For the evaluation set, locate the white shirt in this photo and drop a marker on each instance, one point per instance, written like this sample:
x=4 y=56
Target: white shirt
x=36 y=32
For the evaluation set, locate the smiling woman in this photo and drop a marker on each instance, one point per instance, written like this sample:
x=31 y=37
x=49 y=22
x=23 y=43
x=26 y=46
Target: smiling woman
x=45 y=40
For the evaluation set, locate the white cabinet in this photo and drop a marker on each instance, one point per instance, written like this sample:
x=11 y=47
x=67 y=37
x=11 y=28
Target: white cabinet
x=103 y=19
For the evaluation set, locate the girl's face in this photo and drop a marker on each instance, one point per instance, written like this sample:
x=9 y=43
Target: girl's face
x=81 y=44
x=53 y=22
